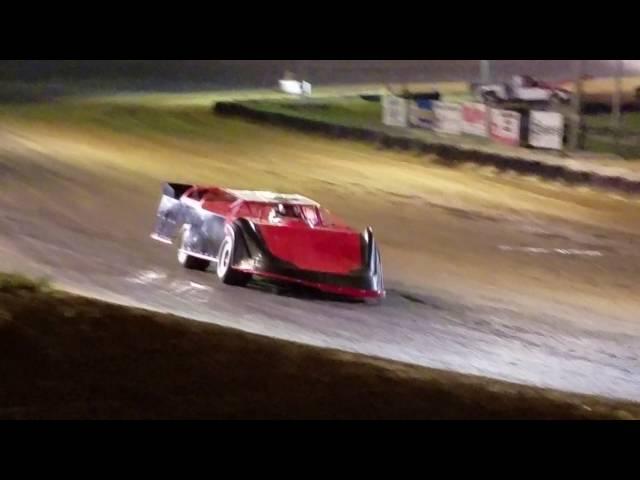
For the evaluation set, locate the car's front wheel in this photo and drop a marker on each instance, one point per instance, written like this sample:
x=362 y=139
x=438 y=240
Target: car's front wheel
x=224 y=269
x=556 y=101
x=490 y=98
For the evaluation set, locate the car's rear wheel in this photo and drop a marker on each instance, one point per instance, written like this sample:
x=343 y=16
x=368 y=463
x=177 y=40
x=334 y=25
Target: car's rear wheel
x=556 y=101
x=189 y=261
x=226 y=273
x=490 y=98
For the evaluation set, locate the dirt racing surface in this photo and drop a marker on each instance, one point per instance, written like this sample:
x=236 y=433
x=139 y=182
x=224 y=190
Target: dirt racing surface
x=498 y=275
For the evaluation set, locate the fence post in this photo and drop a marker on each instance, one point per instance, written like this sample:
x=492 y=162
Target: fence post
x=576 y=117
x=616 y=104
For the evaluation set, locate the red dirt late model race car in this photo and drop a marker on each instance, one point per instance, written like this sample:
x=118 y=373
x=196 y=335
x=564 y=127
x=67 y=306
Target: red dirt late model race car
x=276 y=236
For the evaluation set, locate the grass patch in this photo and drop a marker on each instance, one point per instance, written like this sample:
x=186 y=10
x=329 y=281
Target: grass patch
x=342 y=111
x=189 y=114
x=349 y=111
x=71 y=357
x=630 y=120
x=629 y=145
x=14 y=283
x=608 y=146
x=138 y=120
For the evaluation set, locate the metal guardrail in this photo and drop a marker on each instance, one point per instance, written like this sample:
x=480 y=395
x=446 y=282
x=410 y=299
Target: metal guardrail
x=609 y=131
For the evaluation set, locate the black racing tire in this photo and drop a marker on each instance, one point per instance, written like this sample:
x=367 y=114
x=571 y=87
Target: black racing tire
x=224 y=270
x=555 y=101
x=189 y=261
x=490 y=98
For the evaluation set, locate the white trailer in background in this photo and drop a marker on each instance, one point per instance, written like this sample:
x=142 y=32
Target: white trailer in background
x=294 y=87
x=521 y=88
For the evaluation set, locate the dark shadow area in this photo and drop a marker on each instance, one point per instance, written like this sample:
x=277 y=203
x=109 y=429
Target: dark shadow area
x=413 y=299
x=301 y=292
x=598 y=108
x=17 y=94
x=69 y=357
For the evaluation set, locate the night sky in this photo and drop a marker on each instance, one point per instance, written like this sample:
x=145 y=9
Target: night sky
x=264 y=73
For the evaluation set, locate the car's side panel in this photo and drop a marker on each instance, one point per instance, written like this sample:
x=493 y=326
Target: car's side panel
x=204 y=237
x=206 y=230
x=317 y=249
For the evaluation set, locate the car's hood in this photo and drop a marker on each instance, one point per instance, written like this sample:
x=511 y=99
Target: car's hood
x=317 y=249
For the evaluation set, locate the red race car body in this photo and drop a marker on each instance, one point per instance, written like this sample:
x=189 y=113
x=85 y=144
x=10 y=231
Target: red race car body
x=279 y=236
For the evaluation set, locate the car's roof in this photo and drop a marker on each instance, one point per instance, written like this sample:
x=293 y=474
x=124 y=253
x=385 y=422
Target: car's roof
x=271 y=197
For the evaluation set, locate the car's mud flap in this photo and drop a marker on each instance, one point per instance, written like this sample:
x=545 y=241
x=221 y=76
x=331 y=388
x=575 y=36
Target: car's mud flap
x=374 y=261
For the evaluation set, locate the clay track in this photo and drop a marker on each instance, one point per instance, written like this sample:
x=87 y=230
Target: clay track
x=90 y=234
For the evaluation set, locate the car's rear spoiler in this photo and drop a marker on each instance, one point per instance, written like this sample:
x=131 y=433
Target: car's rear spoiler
x=174 y=190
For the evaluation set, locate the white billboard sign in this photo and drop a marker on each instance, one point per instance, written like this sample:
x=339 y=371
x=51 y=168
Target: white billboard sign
x=394 y=111
x=546 y=130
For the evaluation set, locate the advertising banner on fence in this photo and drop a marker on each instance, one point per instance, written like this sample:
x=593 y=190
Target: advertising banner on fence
x=546 y=130
x=505 y=127
x=448 y=117
x=421 y=114
x=474 y=119
x=394 y=111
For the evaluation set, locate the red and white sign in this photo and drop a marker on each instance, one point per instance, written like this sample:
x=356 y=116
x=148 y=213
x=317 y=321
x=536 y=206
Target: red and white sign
x=505 y=127
x=474 y=119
